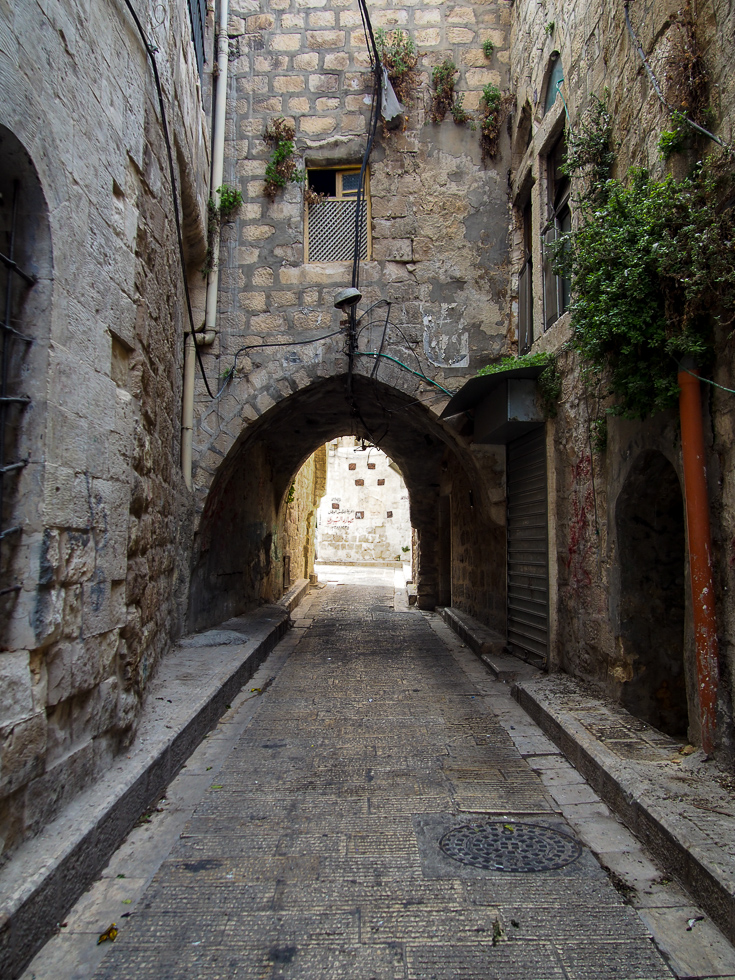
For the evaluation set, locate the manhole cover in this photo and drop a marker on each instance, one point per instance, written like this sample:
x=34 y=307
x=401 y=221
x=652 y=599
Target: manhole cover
x=519 y=847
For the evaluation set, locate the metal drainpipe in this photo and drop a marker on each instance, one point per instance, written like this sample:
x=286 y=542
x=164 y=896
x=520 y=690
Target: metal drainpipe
x=218 y=159
x=700 y=550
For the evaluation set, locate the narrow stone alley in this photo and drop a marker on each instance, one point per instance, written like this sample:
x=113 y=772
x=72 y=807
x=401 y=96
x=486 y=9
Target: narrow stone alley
x=319 y=848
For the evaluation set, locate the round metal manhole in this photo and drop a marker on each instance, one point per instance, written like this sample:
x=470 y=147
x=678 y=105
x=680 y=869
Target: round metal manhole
x=513 y=847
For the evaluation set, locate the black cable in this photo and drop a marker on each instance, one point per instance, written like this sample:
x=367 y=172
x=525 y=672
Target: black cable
x=151 y=52
x=283 y=343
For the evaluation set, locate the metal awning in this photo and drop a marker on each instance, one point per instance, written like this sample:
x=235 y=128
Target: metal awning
x=505 y=404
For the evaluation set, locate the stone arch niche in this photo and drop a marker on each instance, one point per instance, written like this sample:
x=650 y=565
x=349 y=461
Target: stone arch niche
x=651 y=541
x=235 y=559
x=26 y=296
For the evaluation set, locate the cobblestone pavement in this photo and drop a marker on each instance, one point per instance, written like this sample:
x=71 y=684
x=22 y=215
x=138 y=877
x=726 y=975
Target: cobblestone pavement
x=316 y=854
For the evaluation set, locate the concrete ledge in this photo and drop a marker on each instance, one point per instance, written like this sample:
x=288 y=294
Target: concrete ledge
x=658 y=800
x=193 y=687
x=488 y=645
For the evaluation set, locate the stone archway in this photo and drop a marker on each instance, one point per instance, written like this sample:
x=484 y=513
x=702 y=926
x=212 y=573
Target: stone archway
x=234 y=564
x=651 y=540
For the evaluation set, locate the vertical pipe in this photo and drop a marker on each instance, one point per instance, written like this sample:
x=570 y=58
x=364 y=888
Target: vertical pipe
x=700 y=550
x=218 y=155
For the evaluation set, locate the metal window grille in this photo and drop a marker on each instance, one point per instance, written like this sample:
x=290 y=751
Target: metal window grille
x=198 y=15
x=331 y=229
x=10 y=404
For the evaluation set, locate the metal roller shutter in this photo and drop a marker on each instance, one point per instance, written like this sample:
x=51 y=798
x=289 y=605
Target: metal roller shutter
x=528 y=549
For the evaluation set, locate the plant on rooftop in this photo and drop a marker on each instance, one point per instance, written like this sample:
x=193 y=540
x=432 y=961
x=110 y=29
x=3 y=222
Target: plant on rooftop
x=548 y=382
x=281 y=168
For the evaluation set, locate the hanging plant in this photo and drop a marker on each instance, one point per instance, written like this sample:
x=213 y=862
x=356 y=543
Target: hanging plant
x=281 y=169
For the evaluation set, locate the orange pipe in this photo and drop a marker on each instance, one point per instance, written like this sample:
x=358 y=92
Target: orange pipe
x=700 y=552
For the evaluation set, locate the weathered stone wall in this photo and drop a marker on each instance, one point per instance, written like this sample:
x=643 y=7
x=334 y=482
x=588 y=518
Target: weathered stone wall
x=101 y=500
x=591 y=615
x=438 y=254
x=364 y=515
x=299 y=524
x=439 y=217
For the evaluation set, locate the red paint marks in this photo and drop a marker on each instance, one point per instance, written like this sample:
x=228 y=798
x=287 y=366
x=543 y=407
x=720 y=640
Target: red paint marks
x=580 y=524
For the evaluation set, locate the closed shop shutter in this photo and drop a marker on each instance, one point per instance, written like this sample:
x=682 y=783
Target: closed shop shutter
x=528 y=549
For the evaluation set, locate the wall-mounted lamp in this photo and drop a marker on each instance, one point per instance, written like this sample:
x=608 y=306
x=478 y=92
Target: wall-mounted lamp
x=347 y=298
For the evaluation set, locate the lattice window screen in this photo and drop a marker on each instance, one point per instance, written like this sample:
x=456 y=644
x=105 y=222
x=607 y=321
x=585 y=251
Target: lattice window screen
x=331 y=226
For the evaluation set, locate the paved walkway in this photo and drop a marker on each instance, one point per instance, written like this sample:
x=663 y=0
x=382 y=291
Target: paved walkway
x=301 y=839
x=316 y=851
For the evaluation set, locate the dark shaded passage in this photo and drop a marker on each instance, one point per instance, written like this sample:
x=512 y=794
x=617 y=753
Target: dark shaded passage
x=316 y=852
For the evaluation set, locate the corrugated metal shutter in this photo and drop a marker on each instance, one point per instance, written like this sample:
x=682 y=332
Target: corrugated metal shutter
x=528 y=548
x=198 y=14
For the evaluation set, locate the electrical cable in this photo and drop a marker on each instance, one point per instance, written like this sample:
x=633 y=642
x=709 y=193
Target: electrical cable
x=151 y=52
x=405 y=367
x=284 y=343
x=649 y=71
x=694 y=374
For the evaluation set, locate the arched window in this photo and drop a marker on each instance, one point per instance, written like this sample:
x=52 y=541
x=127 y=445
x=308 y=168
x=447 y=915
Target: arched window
x=556 y=77
x=25 y=283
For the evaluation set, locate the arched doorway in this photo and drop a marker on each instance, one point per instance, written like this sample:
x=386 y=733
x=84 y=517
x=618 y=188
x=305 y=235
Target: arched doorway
x=651 y=539
x=237 y=560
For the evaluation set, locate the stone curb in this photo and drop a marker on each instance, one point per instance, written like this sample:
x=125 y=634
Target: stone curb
x=488 y=645
x=705 y=870
x=46 y=876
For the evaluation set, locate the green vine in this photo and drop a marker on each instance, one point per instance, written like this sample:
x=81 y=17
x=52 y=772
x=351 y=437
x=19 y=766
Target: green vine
x=281 y=168
x=548 y=382
x=652 y=260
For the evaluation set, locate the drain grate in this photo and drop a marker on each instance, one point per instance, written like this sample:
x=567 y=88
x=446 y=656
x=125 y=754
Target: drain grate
x=513 y=847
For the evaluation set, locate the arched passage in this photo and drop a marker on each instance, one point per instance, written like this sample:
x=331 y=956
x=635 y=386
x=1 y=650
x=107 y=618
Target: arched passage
x=235 y=562
x=650 y=529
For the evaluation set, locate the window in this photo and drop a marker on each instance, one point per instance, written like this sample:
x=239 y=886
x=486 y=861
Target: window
x=525 y=286
x=557 y=289
x=556 y=77
x=330 y=222
x=198 y=15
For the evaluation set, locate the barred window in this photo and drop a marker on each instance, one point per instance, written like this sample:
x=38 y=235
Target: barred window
x=329 y=233
x=198 y=15
x=557 y=289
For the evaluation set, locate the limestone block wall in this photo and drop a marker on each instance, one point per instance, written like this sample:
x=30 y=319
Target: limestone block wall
x=598 y=55
x=100 y=501
x=364 y=514
x=299 y=524
x=439 y=217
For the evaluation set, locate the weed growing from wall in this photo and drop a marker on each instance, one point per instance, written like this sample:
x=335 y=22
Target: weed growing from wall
x=444 y=99
x=487 y=48
x=397 y=53
x=493 y=110
x=281 y=168
x=230 y=199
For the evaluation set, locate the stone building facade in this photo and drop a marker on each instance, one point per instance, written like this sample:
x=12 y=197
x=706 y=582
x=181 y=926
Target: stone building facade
x=116 y=555
x=364 y=514
x=89 y=581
